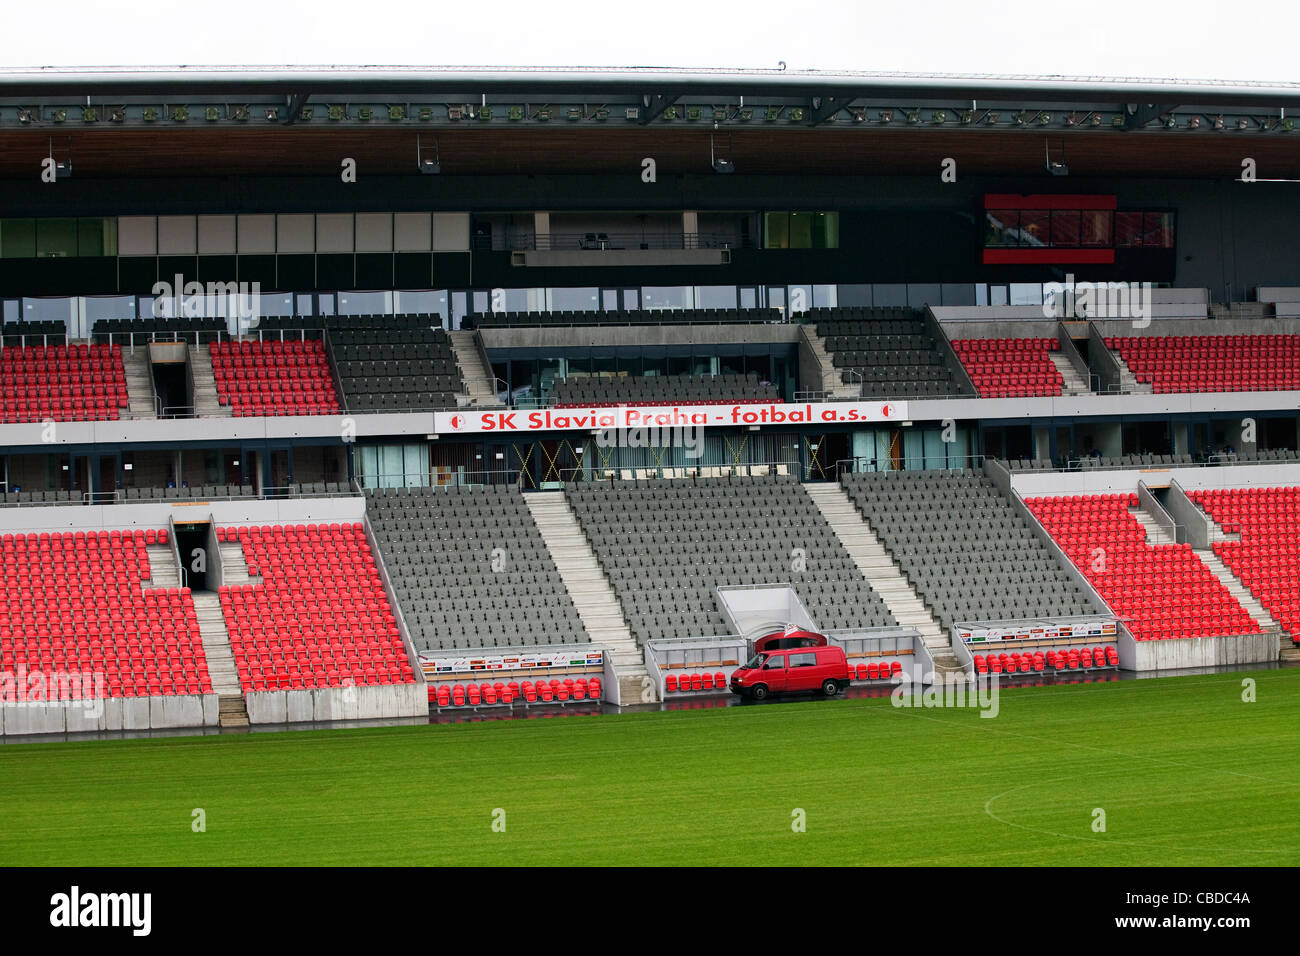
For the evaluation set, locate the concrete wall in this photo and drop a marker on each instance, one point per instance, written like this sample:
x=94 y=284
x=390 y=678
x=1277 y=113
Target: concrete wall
x=633 y=336
x=1270 y=326
x=810 y=368
x=1192 y=478
x=1158 y=514
x=1102 y=362
x=232 y=431
x=1175 y=654
x=110 y=714
x=157 y=514
x=1194 y=525
x=337 y=703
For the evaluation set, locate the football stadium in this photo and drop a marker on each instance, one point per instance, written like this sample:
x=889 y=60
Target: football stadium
x=357 y=419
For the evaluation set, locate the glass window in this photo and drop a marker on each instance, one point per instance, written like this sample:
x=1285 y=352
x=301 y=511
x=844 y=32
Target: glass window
x=1128 y=229
x=803 y=660
x=826 y=231
x=18 y=238
x=1065 y=228
x=667 y=297
x=889 y=295
x=853 y=295
x=1035 y=227
x=776 y=230
x=774 y=662
x=801 y=230
x=715 y=296
x=574 y=300
x=1097 y=227
x=56 y=238
x=825 y=297
x=1026 y=293
x=365 y=303
x=1158 y=230
x=1002 y=227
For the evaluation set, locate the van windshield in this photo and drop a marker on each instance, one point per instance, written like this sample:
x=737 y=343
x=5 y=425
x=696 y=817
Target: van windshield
x=755 y=662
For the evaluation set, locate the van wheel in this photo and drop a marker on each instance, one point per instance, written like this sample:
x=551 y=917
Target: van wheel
x=759 y=692
x=830 y=688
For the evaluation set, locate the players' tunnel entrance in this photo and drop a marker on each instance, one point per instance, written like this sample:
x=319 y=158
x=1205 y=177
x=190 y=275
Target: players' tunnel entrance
x=192 y=543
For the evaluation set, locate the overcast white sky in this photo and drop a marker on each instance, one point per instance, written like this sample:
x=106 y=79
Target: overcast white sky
x=1192 y=39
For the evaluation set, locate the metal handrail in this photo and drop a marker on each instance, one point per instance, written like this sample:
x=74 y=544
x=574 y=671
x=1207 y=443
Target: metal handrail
x=971 y=462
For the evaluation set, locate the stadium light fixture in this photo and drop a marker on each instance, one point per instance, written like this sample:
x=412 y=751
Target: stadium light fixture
x=1194 y=123
x=429 y=166
x=24 y=115
x=1218 y=122
x=720 y=164
x=1056 y=167
x=886 y=116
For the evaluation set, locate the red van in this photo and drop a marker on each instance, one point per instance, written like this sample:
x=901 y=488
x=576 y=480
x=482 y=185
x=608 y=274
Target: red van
x=793 y=670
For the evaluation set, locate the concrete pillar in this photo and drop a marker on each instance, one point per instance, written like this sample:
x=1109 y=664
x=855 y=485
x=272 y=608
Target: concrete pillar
x=690 y=228
x=1042 y=443
x=1181 y=439
x=542 y=229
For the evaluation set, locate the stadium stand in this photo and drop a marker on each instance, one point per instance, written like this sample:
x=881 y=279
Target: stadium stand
x=202 y=330
x=965 y=550
x=595 y=392
x=1266 y=557
x=78 y=601
x=274 y=378
x=35 y=333
x=470 y=568
x=61 y=382
x=667 y=545
x=509 y=692
x=888 y=349
x=621 y=317
x=319 y=617
x=1211 y=363
x=1161 y=591
x=1011 y=368
x=402 y=366
x=1072 y=658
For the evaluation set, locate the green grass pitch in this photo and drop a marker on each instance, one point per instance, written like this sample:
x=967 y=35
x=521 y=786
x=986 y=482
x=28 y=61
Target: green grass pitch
x=1185 y=771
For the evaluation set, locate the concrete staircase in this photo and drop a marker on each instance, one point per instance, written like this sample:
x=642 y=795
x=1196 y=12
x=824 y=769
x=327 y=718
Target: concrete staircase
x=163 y=572
x=1158 y=536
x=1238 y=311
x=138 y=388
x=880 y=570
x=231 y=710
x=834 y=388
x=590 y=590
x=1128 y=382
x=1239 y=591
x=1073 y=383
x=234 y=566
x=480 y=390
x=206 y=403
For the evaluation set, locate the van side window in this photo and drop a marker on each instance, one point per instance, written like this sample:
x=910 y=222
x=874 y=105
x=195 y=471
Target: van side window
x=803 y=660
x=774 y=663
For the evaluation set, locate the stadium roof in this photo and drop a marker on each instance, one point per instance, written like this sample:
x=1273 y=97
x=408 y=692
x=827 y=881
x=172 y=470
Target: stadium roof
x=298 y=120
x=17 y=80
